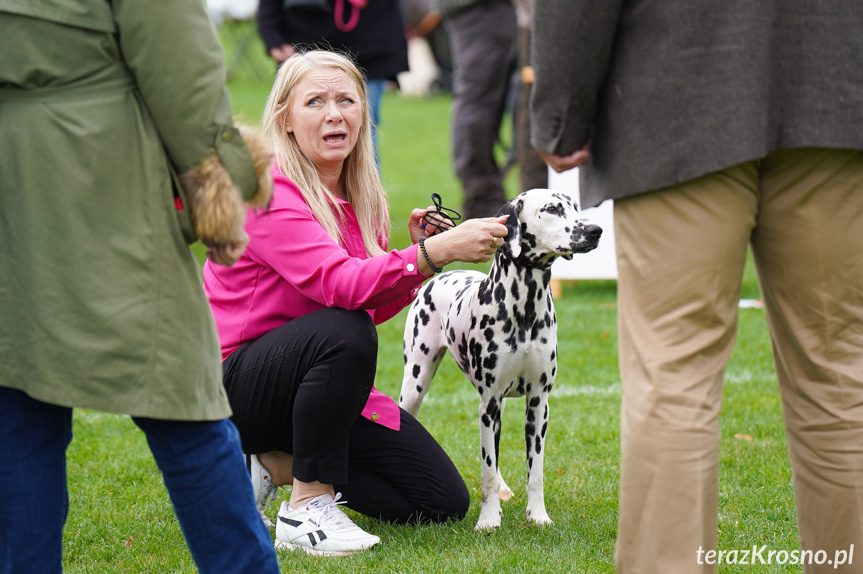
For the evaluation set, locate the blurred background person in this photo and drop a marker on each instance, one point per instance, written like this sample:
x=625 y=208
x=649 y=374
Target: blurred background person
x=482 y=40
x=372 y=34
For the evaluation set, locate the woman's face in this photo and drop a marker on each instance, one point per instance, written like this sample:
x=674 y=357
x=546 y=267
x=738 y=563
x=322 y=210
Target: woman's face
x=325 y=116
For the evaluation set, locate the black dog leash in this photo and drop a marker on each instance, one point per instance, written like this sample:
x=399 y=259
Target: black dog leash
x=441 y=218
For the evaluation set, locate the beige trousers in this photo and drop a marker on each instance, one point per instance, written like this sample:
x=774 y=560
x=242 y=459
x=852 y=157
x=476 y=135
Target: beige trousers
x=681 y=254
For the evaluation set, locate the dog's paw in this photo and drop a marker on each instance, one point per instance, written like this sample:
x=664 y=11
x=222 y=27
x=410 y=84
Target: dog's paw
x=486 y=525
x=488 y=519
x=540 y=518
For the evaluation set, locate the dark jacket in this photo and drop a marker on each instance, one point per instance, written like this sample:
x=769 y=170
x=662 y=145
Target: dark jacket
x=377 y=44
x=670 y=90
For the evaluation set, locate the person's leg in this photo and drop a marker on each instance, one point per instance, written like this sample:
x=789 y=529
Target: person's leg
x=204 y=471
x=301 y=387
x=402 y=476
x=533 y=172
x=483 y=38
x=34 y=500
x=681 y=254
x=808 y=249
x=375 y=88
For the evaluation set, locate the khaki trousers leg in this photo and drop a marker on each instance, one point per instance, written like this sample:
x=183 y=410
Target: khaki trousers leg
x=681 y=254
x=808 y=249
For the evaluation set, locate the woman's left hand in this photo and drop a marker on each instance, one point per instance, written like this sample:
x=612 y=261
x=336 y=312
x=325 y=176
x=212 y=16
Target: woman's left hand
x=415 y=224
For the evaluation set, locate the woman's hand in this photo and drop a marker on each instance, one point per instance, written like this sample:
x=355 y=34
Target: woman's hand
x=418 y=217
x=474 y=241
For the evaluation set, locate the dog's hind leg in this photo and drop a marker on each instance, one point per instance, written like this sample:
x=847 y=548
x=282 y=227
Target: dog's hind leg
x=489 y=431
x=535 y=425
x=424 y=349
x=419 y=372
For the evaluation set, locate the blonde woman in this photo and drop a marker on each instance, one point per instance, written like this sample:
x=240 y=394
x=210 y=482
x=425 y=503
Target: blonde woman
x=297 y=313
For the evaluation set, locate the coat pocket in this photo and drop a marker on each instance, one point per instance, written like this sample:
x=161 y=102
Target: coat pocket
x=181 y=206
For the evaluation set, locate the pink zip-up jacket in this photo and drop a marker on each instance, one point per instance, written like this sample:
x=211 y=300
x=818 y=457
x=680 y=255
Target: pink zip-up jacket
x=292 y=267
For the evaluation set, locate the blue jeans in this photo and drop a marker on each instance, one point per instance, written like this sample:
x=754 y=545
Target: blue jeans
x=201 y=464
x=375 y=95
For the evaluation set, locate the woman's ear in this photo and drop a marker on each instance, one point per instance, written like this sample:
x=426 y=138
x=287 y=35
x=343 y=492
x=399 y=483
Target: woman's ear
x=282 y=111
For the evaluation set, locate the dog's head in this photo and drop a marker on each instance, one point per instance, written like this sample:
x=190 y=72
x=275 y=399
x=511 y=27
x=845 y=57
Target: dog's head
x=544 y=225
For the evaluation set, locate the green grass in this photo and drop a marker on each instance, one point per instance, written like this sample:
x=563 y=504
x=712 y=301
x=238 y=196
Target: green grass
x=120 y=518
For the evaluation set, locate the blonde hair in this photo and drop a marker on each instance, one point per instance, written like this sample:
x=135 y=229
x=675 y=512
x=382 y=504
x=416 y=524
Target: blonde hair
x=360 y=177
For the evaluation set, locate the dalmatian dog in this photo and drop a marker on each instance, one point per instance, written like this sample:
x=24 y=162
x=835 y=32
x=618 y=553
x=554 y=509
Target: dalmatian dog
x=501 y=330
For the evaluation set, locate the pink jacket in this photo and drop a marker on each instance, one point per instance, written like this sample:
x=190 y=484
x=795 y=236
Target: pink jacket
x=292 y=267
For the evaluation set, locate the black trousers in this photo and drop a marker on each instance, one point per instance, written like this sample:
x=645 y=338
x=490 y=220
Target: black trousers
x=301 y=388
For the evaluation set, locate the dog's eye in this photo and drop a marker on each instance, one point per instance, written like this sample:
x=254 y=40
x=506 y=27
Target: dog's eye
x=551 y=209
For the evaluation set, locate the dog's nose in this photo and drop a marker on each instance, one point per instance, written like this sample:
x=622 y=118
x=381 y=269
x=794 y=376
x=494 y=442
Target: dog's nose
x=593 y=231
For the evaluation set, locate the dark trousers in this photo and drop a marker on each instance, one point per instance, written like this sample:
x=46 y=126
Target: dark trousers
x=483 y=42
x=301 y=388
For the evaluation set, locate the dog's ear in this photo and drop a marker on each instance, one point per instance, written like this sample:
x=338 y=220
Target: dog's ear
x=513 y=208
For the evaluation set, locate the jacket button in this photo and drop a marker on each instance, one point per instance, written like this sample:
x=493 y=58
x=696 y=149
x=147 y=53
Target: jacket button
x=411 y=267
x=374 y=416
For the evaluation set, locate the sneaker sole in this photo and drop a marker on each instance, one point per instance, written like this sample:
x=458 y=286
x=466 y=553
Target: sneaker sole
x=290 y=546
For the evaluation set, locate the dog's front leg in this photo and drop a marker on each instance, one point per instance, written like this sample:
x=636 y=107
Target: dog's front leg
x=489 y=428
x=535 y=425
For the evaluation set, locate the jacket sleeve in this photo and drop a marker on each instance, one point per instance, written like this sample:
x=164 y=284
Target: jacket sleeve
x=271 y=24
x=289 y=240
x=172 y=50
x=570 y=51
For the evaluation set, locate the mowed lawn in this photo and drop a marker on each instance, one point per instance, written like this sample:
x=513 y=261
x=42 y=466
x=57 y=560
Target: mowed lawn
x=120 y=518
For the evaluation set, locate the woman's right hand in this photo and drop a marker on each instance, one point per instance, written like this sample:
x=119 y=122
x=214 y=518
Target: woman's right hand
x=474 y=241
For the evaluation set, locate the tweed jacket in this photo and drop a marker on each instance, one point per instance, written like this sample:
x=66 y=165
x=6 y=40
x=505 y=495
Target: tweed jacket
x=669 y=90
x=101 y=304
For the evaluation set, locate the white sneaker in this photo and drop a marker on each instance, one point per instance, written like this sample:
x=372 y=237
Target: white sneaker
x=263 y=487
x=320 y=527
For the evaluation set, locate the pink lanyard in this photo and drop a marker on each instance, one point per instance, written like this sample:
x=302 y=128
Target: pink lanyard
x=356 y=5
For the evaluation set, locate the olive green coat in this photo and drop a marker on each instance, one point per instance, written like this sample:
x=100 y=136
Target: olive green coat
x=101 y=303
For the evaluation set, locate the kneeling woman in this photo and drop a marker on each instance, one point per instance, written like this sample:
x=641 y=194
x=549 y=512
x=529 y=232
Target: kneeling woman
x=297 y=313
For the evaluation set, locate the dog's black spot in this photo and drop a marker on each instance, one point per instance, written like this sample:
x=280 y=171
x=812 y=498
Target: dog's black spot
x=543 y=378
x=489 y=335
x=501 y=311
x=424 y=348
x=492 y=347
x=424 y=317
x=554 y=354
x=484 y=295
x=499 y=293
x=480 y=389
x=531 y=415
x=514 y=290
x=534 y=402
x=486 y=421
x=419 y=388
x=416 y=371
x=488 y=461
x=490 y=362
x=538 y=445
